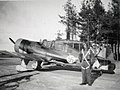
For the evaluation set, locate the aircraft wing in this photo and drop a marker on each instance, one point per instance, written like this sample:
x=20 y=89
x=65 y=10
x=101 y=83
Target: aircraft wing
x=7 y=54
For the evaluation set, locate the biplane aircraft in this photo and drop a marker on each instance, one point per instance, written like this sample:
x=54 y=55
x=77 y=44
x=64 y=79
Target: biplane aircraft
x=54 y=52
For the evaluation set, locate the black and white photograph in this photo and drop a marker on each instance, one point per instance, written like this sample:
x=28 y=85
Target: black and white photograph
x=59 y=45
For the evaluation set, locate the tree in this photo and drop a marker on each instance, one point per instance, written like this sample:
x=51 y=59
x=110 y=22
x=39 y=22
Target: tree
x=90 y=19
x=115 y=23
x=59 y=34
x=69 y=19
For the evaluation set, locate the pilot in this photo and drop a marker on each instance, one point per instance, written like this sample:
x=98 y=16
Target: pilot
x=85 y=66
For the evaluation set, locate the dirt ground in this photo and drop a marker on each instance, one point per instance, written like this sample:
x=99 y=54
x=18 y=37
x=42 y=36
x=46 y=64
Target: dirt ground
x=52 y=78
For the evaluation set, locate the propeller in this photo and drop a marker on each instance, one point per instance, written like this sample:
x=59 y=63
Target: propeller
x=12 y=40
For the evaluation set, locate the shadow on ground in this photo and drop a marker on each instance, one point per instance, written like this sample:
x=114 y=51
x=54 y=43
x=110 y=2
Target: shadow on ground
x=66 y=67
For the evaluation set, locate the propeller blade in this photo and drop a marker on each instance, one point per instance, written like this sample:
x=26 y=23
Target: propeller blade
x=12 y=40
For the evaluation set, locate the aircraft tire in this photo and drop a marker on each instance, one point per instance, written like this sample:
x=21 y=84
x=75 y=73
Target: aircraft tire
x=37 y=65
x=111 y=67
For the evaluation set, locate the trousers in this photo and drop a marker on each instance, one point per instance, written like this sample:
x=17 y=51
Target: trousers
x=86 y=76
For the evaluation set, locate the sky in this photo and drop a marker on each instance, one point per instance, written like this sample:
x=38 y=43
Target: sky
x=32 y=20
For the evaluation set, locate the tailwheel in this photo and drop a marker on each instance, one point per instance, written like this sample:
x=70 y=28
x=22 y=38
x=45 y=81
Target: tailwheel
x=111 y=67
x=37 y=65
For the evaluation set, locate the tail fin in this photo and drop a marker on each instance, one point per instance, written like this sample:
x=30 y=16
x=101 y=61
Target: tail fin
x=12 y=40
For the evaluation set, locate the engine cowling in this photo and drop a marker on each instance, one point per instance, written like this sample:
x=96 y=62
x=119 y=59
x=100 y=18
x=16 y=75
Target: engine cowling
x=22 y=45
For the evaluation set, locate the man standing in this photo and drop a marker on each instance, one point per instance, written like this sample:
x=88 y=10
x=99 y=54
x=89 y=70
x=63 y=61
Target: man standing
x=85 y=65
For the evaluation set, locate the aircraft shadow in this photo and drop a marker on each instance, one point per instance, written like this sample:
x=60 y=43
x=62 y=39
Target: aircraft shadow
x=66 y=67
x=97 y=74
x=71 y=68
x=94 y=76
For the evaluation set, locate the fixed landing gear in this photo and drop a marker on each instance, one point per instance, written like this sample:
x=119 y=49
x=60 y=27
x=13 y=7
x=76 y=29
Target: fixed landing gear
x=36 y=65
x=23 y=66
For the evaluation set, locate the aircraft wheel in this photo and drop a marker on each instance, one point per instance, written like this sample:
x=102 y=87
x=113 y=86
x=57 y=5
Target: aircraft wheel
x=111 y=67
x=37 y=65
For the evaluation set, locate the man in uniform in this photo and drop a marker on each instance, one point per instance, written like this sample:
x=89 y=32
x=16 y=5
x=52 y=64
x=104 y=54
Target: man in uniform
x=85 y=65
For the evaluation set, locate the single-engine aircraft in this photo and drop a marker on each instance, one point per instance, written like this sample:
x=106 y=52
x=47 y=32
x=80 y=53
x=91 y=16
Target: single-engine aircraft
x=46 y=53
x=40 y=53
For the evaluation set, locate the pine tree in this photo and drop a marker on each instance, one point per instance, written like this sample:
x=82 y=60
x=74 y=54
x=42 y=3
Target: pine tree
x=90 y=19
x=115 y=23
x=69 y=19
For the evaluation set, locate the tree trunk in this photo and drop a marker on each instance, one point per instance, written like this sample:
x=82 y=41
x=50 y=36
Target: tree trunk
x=112 y=47
x=68 y=35
x=115 y=52
x=118 y=50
